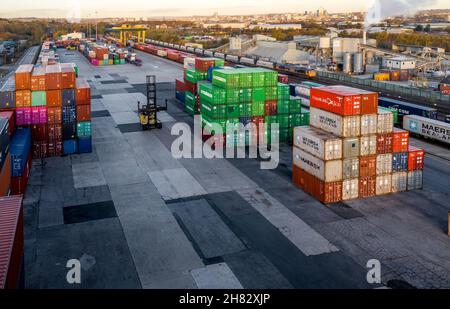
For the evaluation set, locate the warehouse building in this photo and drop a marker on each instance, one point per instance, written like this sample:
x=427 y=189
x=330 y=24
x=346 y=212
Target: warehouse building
x=399 y=63
x=281 y=52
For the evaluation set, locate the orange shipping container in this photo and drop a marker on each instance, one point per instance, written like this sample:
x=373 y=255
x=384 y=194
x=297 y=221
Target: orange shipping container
x=5 y=176
x=38 y=79
x=53 y=77
x=415 y=158
x=400 y=140
x=83 y=93
x=329 y=192
x=367 y=187
x=384 y=143
x=67 y=76
x=83 y=112
x=23 y=98
x=367 y=166
x=23 y=77
x=54 y=98
x=54 y=115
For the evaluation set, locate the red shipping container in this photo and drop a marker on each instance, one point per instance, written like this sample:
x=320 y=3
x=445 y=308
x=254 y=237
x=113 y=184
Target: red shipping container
x=83 y=113
x=54 y=98
x=23 y=98
x=23 y=77
x=54 y=132
x=39 y=132
x=54 y=115
x=5 y=176
x=344 y=101
x=11 y=120
x=19 y=184
x=11 y=240
x=284 y=79
x=329 y=192
x=179 y=86
x=83 y=93
x=400 y=140
x=367 y=187
x=67 y=77
x=367 y=166
x=54 y=148
x=416 y=158
x=191 y=87
x=38 y=79
x=53 y=77
x=384 y=143
x=270 y=108
x=203 y=64
x=369 y=101
x=39 y=149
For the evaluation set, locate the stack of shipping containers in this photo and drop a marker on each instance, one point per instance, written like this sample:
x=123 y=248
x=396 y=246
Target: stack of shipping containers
x=100 y=55
x=351 y=150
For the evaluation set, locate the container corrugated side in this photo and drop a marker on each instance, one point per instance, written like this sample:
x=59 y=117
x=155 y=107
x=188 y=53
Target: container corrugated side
x=369 y=124
x=367 y=187
x=384 y=184
x=336 y=100
x=350 y=168
x=350 y=189
x=399 y=181
x=350 y=147
x=368 y=145
x=327 y=171
x=415 y=181
x=384 y=164
x=321 y=144
x=385 y=121
x=332 y=123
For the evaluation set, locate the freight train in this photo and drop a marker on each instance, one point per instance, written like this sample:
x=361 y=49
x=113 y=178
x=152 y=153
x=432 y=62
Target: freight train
x=427 y=128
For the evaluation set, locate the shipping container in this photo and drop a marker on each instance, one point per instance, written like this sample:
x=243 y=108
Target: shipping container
x=69 y=130
x=83 y=112
x=367 y=187
x=5 y=176
x=84 y=144
x=350 y=189
x=38 y=79
x=7 y=94
x=23 y=98
x=350 y=168
x=406 y=108
x=350 y=147
x=428 y=128
x=369 y=124
x=385 y=121
x=341 y=126
x=20 y=148
x=321 y=144
x=12 y=241
x=19 y=184
x=38 y=98
x=39 y=115
x=399 y=181
x=23 y=77
x=384 y=143
x=53 y=77
x=415 y=158
x=368 y=166
x=68 y=78
x=4 y=140
x=68 y=97
x=325 y=192
x=384 y=164
x=415 y=180
x=368 y=145
x=54 y=115
x=54 y=98
x=23 y=116
x=69 y=146
x=203 y=64
x=10 y=117
x=384 y=184
x=327 y=171
x=84 y=129
x=336 y=99
x=400 y=162
x=400 y=140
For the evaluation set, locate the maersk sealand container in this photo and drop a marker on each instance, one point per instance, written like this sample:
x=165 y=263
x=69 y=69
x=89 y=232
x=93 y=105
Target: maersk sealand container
x=406 y=108
x=429 y=128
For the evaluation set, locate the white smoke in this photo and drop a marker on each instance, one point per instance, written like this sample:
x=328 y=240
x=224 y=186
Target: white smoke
x=73 y=13
x=382 y=9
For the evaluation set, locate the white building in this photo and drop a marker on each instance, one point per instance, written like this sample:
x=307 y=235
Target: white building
x=277 y=26
x=281 y=52
x=399 y=63
x=235 y=43
x=225 y=25
x=72 y=36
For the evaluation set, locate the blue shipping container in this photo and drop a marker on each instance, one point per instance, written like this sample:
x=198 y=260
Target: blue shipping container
x=69 y=114
x=84 y=144
x=68 y=97
x=245 y=120
x=69 y=146
x=210 y=70
x=400 y=162
x=179 y=96
x=406 y=108
x=20 y=150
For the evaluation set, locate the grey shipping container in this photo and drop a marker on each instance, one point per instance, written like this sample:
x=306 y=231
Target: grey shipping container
x=7 y=94
x=4 y=140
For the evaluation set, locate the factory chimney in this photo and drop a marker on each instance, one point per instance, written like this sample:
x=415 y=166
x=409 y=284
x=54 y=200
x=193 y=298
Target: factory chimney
x=364 y=37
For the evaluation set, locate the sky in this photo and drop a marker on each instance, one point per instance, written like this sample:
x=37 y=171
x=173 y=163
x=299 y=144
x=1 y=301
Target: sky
x=149 y=8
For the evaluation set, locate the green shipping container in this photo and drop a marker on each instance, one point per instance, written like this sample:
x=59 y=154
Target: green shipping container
x=122 y=61
x=259 y=94
x=189 y=107
x=258 y=108
x=258 y=78
x=270 y=78
x=75 y=67
x=283 y=91
x=386 y=109
x=245 y=78
x=191 y=76
x=283 y=121
x=116 y=61
x=270 y=93
x=84 y=129
x=296 y=120
x=233 y=111
x=209 y=124
x=233 y=96
x=245 y=95
x=271 y=119
x=219 y=62
x=245 y=109
x=283 y=107
x=105 y=62
x=38 y=98
x=226 y=78
x=213 y=111
x=295 y=105
x=212 y=94
x=189 y=98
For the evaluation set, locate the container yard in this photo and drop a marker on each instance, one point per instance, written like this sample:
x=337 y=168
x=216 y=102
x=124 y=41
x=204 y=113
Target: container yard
x=349 y=185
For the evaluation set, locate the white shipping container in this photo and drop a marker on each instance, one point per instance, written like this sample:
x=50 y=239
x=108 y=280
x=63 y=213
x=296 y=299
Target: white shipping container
x=350 y=168
x=341 y=126
x=368 y=145
x=385 y=121
x=415 y=180
x=305 y=102
x=384 y=164
x=369 y=124
x=303 y=91
x=321 y=144
x=434 y=129
x=399 y=181
x=189 y=63
x=384 y=184
x=161 y=53
x=350 y=189
x=350 y=147
x=327 y=171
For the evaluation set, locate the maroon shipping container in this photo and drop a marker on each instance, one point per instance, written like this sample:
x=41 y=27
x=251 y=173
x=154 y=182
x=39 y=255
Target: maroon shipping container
x=384 y=143
x=39 y=132
x=39 y=149
x=203 y=64
x=54 y=132
x=270 y=108
x=367 y=166
x=180 y=86
x=284 y=79
x=367 y=187
x=191 y=87
x=11 y=241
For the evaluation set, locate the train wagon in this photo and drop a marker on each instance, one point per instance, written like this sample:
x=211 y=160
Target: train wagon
x=406 y=108
x=428 y=128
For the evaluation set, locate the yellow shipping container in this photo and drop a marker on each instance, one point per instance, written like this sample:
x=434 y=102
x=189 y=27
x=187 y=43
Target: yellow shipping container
x=381 y=76
x=110 y=62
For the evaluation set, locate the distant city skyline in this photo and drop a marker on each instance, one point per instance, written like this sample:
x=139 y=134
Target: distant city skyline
x=174 y=8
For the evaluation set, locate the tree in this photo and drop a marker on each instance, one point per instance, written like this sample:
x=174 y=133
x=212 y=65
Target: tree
x=427 y=28
x=419 y=28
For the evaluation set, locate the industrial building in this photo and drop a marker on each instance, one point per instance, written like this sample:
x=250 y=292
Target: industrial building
x=281 y=52
x=276 y=26
x=399 y=63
